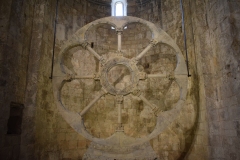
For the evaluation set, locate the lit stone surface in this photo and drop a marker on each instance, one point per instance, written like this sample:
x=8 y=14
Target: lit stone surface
x=207 y=128
x=126 y=132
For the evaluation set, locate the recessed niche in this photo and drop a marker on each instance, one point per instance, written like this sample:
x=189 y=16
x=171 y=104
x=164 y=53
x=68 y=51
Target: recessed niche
x=15 y=118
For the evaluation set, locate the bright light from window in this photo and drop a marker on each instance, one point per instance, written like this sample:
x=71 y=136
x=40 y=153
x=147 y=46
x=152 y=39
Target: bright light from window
x=119 y=9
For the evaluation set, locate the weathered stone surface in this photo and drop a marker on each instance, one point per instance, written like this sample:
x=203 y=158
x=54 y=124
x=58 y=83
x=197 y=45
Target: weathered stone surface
x=207 y=127
x=98 y=114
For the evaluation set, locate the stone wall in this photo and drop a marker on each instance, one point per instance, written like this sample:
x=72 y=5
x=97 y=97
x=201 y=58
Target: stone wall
x=216 y=39
x=207 y=127
x=45 y=134
x=16 y=29
x=212 y=35
x=200 y=145
x=181 y=135
x=54 y=138
x=101 y=119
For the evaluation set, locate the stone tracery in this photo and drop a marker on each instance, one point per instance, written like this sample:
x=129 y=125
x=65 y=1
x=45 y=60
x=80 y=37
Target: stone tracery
x=112 y=61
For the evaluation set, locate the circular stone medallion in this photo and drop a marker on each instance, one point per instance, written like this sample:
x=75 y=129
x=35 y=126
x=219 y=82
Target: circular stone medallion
x=119 y=76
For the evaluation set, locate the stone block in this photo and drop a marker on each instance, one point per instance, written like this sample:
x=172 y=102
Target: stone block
x=61 y=136
x=71 y=136
x=230 y=101
x=213 y=115
x=228 y=125
x=215 y=140
x=230 y=133
x=73 y=144
x=227 y=92
x=63 y=124
x=199 y=139
x=13 y=139
x=223 y=114
x=15 y=152
x=217 y=152
x=215 y=128
x=234 y=112
x=60 y=33
x=82 y=144
x=64 y=145
x=227 y=141
x=69 y=155
x=6 y=152
x=54 y=155
x=203 y=116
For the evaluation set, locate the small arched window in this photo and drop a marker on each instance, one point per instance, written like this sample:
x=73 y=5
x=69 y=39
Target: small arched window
x=119 y=8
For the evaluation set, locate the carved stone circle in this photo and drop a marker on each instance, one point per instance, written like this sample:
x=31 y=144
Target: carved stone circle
x=119 y=140
x=112 y=62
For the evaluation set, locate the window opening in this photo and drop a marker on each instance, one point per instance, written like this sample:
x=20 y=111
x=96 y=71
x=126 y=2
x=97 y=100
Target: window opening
x=119 y=9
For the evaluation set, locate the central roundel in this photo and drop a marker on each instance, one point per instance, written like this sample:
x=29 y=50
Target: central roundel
x=119 y=76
